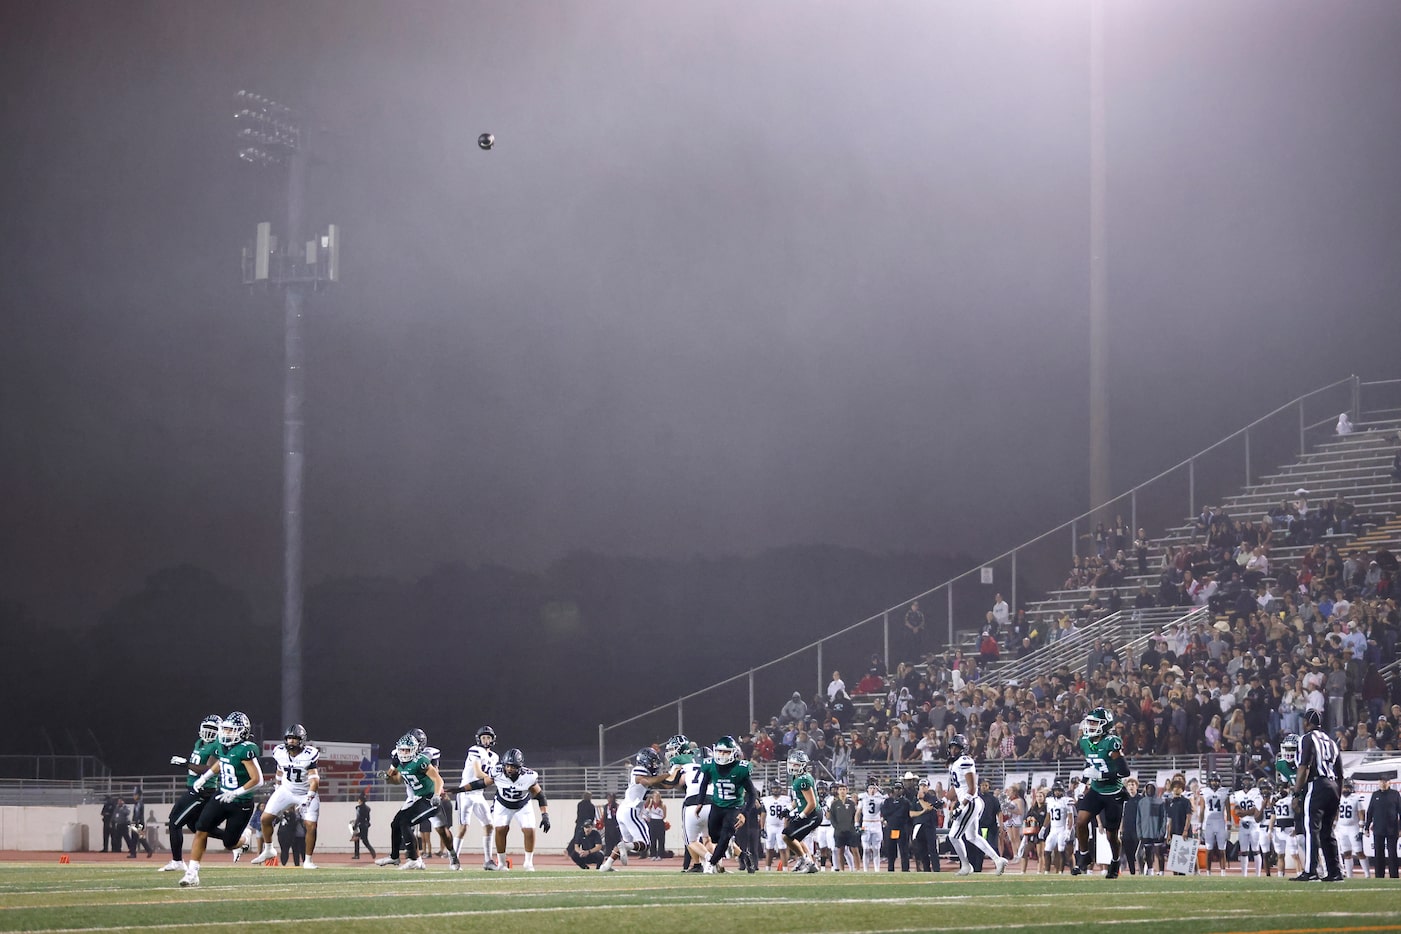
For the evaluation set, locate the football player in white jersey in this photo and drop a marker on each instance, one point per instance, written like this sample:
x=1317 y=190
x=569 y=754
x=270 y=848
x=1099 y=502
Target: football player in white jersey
x=776 y=806
x=632 y=826
x=297 y=784
x=515 y=787
x=684 y=758
x=473 y=805
x=1060 y=828
x=1280 y=845
x=868 y=805
x=1216 y=834
x=1352 y=812
x=968 y=813
x=1248 y=807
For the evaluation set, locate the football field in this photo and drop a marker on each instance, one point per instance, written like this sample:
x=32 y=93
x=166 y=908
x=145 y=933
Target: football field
x=116 y=897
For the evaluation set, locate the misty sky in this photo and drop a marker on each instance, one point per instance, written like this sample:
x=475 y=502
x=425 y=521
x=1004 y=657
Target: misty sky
x=736 y=275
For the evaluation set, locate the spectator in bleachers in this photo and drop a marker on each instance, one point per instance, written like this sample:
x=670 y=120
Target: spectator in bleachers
x=1001 y=614
x=795 y=710
x=914 y=629
x=870 y=684
x=1344 y=426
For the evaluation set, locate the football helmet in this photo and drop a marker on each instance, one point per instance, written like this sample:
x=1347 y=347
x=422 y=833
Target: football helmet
x=486 y=737
x=677 y=745
x=512 y=763
x=234 y=728
x=822 y=790
x=1057 y=790
x=648 y=759
x=294 y=737
x=1096 y=722
x=406 y=748
x=421 y=736
x=726 y=750
x=209 y=728
x=1265 y=788
x=959 y=742
x=798 y=762
x=1214 y=781
x=777 y=788
x=1347 y=786
x=1289 y=749
x=1247 y=782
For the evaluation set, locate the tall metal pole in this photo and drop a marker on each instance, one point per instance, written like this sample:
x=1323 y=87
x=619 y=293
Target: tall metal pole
x=293 y=458
x=1099 y=271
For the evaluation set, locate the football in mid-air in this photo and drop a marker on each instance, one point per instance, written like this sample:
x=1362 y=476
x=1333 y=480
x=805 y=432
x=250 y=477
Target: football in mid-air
x=486 y=141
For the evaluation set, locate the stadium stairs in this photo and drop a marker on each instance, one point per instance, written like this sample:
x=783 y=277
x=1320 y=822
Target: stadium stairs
x=1358 y=466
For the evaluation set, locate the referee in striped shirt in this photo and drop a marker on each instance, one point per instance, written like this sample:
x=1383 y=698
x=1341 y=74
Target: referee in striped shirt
x=1317 y=799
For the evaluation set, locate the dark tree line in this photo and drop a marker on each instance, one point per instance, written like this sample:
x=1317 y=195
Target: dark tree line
x=543 y=657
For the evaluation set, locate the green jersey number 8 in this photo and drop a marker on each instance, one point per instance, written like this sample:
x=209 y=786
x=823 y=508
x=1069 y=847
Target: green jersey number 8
x=228 y=778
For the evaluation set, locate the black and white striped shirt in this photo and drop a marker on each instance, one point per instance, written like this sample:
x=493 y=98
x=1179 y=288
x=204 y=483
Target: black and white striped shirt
x=1319 y=757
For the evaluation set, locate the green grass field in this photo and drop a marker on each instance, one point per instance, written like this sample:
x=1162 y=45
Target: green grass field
x=105 y=898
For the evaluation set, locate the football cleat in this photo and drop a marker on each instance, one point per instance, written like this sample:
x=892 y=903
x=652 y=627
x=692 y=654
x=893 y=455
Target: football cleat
x=1002 y=865
x=308 y=864
x=173 y=866
x=965 y=870
x=413 y=864
x=190 y=879
x=386 y=861
x=267 y=854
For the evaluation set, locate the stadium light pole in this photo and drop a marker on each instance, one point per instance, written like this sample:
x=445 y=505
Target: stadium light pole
x=270 y=136
x=1099 y=272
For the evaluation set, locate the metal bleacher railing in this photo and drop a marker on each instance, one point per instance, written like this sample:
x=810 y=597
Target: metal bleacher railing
x=1205 y=477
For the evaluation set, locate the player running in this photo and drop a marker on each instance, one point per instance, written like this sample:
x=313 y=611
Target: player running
x=806 y=813
x=726 y=777
x=238 y=774
x=1104 y=773
x=632 y=826
x=297 y=784
x=968 y=811
x=184 y=814
x=414 y=769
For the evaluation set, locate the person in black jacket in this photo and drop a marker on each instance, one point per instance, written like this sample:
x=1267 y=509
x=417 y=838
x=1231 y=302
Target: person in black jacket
x=924 y=819
x=138 y=827
x=360 y=830
x=586 y=849
x=1179 y=810
x=1128 y=830
x=896 y=826
x=109 y=838
x=1384 y=821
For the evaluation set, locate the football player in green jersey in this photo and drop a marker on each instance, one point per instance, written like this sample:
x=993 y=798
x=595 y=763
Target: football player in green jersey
x=239 y=774
x=805 y=815
x=726 y=778
x=1105 y=770
x=184 y=815
x=416 y=772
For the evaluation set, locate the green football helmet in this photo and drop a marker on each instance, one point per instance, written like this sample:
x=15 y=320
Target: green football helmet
x=798 y=762
x=1096 y=722
x=726 y=750
x=1289 y=749
x=406 y=749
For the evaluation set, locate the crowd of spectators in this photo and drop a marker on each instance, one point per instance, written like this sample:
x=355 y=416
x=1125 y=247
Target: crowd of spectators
x=1230 y=684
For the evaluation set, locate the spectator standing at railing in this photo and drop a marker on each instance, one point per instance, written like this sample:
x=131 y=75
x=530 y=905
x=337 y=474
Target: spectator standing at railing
x=914 y=629
x=1001 y=614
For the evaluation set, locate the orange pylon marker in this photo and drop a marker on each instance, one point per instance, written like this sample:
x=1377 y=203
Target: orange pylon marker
x=272 y=861
x=64 y=860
